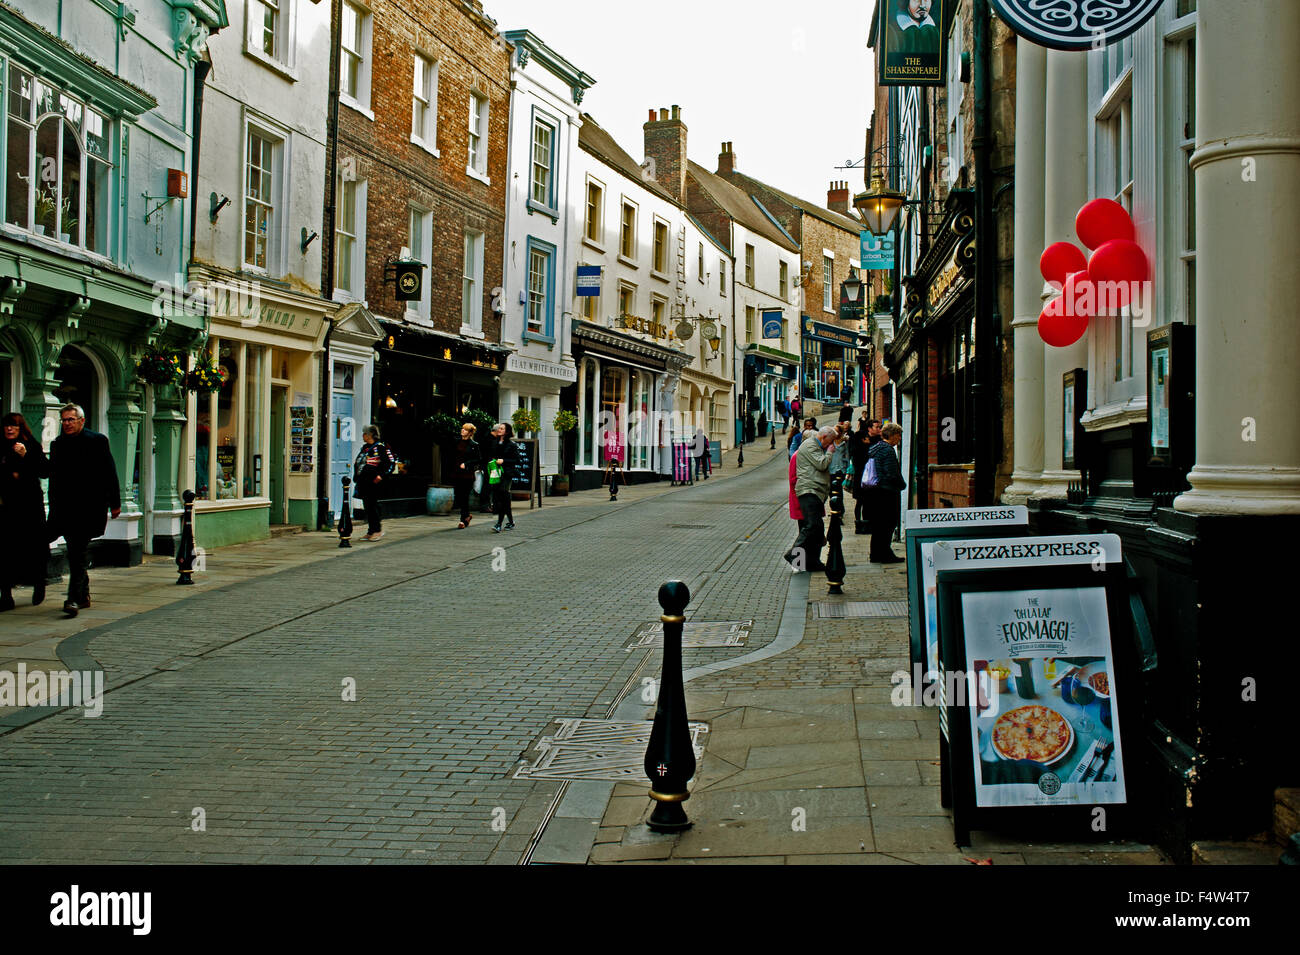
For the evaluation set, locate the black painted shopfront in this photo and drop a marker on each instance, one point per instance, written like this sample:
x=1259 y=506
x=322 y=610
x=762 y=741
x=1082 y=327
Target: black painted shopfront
x=419 y=374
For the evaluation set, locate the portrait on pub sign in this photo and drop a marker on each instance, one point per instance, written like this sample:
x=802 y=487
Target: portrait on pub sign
x=913 y=42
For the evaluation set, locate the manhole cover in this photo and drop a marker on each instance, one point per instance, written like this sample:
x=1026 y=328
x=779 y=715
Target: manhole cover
x=692 y=527
x=599 y=749
x=717 y=633
x=861 y=608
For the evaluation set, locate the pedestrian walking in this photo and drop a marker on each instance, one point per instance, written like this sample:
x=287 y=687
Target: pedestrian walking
x=859 y=452
x=466 y=461
x=796 y=408
x=883 y=495
x=502 y=457
x=785 y=414
x=83 y=486
x=762 y=424
x=846 y=413
x=812 y=485
x=26 y=549
x=700 y=445
x=374 y=463
x=796 y=513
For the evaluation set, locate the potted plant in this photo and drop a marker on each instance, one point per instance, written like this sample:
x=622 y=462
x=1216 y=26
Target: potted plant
x=67 y=223
x=45 y=209
x=883 y=303
x=439 y=497
x=564 y=422
x=526 y=421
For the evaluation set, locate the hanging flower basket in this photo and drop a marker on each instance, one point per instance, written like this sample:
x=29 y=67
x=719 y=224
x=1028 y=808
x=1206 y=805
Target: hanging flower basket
x=160 y=368
x=564 y=421
x=206 y=376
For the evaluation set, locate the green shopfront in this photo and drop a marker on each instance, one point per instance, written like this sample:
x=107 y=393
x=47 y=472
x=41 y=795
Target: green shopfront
x=94 y=241
x=830 y=355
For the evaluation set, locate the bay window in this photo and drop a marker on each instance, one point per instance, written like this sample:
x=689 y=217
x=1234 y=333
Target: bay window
x=58 y=169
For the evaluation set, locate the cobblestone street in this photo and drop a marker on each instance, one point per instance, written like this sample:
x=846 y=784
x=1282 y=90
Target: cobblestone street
x=231 y=702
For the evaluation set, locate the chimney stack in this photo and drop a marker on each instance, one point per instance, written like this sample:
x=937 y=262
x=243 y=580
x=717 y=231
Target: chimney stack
x=837 y=198
x=665 y=143
x=726 y=161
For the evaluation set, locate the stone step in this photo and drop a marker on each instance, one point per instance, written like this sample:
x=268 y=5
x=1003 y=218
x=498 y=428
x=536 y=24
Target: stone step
x=285 y=530
x=1258 y=851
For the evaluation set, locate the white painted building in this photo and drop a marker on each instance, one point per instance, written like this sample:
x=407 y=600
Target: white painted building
x=629 y=356
x=254 y=448
x=542 y=196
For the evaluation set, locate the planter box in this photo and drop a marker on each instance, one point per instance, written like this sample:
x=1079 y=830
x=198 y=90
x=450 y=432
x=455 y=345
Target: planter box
x=439 y=500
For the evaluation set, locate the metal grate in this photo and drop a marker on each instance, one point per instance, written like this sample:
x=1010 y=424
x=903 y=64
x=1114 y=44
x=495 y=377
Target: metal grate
x=861 y=608
x=599 y=749
x=691 y=527
x=717 y=633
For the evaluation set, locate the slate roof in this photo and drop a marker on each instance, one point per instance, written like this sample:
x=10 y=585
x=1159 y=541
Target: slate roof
x=596 y=140
x=836 y=219
x=740 y=206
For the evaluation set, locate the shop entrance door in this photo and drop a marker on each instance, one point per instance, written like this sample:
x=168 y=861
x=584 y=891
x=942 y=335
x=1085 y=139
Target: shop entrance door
x=279 y=402
x=345 y=434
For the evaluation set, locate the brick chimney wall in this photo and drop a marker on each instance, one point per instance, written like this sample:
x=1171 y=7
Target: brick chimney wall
x=837 y=198
x=726 y=161
x=665 y=143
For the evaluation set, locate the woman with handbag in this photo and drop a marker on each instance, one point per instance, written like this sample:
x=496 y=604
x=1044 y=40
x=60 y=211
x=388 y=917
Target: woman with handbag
x=883 y=479
x=466 y=462
x=22 y=511
x=502 y=458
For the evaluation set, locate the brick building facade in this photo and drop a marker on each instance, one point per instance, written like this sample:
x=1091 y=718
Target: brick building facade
x=422 y=133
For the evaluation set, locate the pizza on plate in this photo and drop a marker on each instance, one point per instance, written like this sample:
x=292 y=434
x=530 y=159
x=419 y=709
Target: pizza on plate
x=1031 y=732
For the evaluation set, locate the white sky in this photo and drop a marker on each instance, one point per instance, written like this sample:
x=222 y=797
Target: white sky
x=789 y=85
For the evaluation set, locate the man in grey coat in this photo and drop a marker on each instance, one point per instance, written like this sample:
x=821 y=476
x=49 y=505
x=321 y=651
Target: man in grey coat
x=812 y=484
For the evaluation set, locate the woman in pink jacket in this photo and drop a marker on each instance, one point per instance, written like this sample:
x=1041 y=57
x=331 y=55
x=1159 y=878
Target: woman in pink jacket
x=796 y=511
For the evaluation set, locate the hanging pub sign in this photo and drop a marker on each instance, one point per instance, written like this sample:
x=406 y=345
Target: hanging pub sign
x=1036 y=628
x=409 y=279
x=1075 y=24
x=772 y=322
x=913 y=48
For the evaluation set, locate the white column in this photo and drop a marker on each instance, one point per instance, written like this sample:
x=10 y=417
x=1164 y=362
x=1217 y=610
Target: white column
x=1247 y=172
x=1065 y=189
x=1031 y=113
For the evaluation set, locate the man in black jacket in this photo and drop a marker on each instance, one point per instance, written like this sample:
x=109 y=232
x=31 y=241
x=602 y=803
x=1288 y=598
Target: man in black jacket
x=505 y=453
x=883 y=497
x=83 y=486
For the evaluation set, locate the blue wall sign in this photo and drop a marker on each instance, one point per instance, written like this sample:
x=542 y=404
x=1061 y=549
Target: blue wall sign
x=877 y=250
x=772 y=323
x=588 y=280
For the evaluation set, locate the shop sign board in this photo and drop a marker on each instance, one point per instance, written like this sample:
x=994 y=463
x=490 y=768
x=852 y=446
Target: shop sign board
x=772 y=322
x=923 y=529
x=1036 y=628
x=1075 y=24
x=877 y=250
x=588 y=280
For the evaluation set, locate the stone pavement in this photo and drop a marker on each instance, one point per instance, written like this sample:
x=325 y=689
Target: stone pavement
x=373 y=705
x=808 y=762
x=31 y=636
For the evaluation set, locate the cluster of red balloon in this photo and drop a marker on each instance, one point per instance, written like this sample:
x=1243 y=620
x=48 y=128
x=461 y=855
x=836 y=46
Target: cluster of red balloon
x=1100 y=283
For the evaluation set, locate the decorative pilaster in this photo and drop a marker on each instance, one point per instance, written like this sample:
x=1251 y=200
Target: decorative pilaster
x=1247 y=172
x=124 y=417
x=1065 y=189
x=1031 y=116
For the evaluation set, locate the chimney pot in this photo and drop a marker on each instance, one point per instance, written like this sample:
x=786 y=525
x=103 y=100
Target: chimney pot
x=676 y=112
x=652 y=115
x=663 y=114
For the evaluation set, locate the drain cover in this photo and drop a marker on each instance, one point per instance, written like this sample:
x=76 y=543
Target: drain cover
x=861 y=608
x=599 y=749
x=694 y=527
x=717 y=633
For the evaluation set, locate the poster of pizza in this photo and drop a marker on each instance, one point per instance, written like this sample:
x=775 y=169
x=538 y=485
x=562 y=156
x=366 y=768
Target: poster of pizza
x=1045 y=718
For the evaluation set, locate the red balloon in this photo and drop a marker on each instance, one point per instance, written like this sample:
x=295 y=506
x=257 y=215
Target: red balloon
x=1059 y=330
x=1059 y=260
x=1100 y=221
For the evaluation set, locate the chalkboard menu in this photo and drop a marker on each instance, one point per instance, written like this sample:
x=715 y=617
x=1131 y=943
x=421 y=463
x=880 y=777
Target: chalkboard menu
x=524 y=476
x=302 y=428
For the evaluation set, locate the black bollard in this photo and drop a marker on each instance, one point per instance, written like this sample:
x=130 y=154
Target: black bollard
x=772 y=434
x=740 y=457
x=185 y=555
x=834 y=552
x=613 y=481
x=669 y=759
x=345 y=516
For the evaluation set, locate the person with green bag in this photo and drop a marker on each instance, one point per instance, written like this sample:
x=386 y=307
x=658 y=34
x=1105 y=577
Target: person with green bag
x=502 y=456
